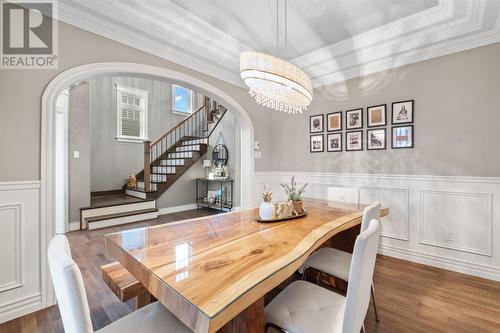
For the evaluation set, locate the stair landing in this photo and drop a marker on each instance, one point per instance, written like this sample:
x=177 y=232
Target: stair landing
x=115 y=209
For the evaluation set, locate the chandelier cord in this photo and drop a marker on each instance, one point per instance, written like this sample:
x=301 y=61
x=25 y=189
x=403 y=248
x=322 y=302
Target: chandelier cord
x=285 y=52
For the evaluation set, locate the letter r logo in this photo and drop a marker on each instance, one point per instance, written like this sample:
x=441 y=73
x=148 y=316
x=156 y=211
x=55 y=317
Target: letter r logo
x=27 y=28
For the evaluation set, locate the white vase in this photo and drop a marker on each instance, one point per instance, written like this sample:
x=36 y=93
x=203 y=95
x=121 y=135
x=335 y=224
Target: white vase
x=266 y=210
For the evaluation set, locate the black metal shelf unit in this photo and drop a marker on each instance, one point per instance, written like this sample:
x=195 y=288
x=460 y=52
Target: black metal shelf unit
x=214 y=194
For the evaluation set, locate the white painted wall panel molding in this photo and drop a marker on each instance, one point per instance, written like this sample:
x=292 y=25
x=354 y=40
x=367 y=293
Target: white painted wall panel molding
x=449 y=222
x=457 y=220
x=397 y=224
x=20 y=238
x=11 y=254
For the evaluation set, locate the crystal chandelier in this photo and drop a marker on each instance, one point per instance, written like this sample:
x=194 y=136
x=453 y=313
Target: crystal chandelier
x=276 y=83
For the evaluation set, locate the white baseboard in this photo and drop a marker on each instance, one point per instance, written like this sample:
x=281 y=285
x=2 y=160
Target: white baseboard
x=73 y=226
x=451 y=264
x=175 y=209
x=20 y=307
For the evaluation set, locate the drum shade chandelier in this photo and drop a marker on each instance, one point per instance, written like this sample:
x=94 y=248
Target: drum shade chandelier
x=276 y=83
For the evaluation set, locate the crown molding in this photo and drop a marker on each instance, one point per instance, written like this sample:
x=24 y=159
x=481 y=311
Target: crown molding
x=167 y=30
x=78 y=14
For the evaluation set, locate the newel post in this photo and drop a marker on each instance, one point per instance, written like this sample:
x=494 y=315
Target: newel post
x=147 y=166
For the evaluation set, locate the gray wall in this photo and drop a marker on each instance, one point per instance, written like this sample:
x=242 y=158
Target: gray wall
x=113 y=161
x=457 y=119
x=79 y=140
x=104 y=162
x=456 y=96
x=21 y=92
x=183 y=191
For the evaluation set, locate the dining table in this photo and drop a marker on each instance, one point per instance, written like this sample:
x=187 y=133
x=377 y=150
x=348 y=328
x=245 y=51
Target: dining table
x=213 y=272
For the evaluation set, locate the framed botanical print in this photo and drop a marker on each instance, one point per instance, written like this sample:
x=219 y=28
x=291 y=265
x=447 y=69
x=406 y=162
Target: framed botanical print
x=316 y=123
x=402 y=112
x=354 y=141
x=402 y=137
x=316 y=143
x=354 y=119
x=334 y=121
x=375 y=139
x=376 y=115
x=334 y=142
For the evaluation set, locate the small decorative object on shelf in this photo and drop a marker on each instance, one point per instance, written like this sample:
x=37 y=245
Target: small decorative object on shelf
x=207 y=164
x=131 y=182
x=214 y=194
x=266 y=209
x=294 y=194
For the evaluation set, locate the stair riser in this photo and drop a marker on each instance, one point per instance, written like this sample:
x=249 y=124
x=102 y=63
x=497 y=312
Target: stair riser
x=181 y=155
x=136 y=194
x=188 y=148
x=164 y=169
x=158 y=178
x=122 y=220
x=179 y=162
x=194 y=142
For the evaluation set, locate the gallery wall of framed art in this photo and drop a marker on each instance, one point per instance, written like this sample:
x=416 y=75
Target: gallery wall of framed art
x=345 y=130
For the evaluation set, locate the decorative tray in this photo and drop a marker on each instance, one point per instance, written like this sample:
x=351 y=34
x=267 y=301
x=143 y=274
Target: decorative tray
x=304 y=213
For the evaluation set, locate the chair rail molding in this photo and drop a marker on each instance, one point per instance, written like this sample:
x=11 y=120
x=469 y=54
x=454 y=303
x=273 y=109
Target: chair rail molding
x=19 y=236
x=83 y=72
x=450 y=222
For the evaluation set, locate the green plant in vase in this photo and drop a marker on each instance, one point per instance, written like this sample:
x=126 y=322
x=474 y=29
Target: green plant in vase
x=294 y=194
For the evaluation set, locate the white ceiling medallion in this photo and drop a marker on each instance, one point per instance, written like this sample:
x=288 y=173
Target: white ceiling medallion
x=274 y=82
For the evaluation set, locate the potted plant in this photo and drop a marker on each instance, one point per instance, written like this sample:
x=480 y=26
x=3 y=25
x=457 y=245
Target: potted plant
x=266 y=209
x=294 y=194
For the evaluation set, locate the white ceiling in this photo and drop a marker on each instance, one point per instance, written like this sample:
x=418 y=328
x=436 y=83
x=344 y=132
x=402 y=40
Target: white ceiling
x=311 y=24
x=332 y=40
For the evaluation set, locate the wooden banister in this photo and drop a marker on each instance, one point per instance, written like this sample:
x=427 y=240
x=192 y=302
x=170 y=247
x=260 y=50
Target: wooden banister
x=147 y=166
x=180 y=124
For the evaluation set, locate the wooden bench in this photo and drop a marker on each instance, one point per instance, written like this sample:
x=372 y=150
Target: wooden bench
x=124 y=285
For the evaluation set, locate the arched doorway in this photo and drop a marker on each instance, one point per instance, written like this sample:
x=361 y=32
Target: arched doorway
x=48 y=141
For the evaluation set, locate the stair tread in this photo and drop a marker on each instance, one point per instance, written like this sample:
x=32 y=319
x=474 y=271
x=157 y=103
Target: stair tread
x=122 y=214
x=140 y=190
x=113 y=204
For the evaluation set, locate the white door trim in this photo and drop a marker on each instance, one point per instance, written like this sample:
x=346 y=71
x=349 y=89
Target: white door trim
x=84 y=72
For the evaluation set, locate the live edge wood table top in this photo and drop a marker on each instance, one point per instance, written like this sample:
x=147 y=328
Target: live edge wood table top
x=207 y=270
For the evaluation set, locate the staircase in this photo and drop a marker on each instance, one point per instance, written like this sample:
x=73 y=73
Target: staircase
x=169 y=157
x=165 y=161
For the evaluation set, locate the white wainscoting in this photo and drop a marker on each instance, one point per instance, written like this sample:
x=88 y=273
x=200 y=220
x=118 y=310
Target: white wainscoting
x=447 y=222
x=20 y=256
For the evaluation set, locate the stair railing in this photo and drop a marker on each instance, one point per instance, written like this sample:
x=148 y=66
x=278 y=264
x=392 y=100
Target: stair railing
x=195 y=125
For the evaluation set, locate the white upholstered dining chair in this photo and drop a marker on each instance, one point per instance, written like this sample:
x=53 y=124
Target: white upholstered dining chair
x=304 y=307
x=337 y=263
x=74 y=309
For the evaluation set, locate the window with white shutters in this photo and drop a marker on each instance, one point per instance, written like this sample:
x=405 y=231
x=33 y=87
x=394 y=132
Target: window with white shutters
x=131 y=106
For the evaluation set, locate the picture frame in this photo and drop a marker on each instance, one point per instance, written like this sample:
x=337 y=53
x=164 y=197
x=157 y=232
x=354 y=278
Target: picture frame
x=402 y=137
x=376 y=139
x=403 y=112
x=354 y=141
x=316 y=143
x=354 y=119
x=334 y=142
x=334 y=121
x=376 y=115
x=316 y=123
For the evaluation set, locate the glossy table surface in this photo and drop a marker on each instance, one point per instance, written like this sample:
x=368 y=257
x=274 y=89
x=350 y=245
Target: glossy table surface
x=207 y=270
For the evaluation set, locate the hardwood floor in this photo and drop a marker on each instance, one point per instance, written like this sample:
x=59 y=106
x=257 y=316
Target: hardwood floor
x=410 y=297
